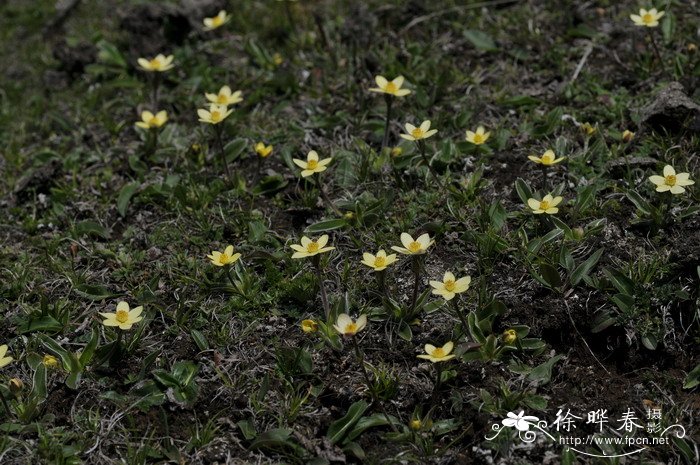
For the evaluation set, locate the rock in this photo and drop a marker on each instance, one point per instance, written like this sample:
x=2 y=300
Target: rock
x=619 y=166
x=153 y=28
x=671 y=111
x=73 y=60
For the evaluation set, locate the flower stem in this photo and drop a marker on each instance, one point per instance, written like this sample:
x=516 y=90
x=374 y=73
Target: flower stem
x=385 y=139
x=220 y=141
x=322 y=287
x=154 y=91
x=5 y=404
x=421 y=149
x=415 y=264
x=381 y=283
x=460 y=315
x=656 y=52
x=436 y=387
x=370 y=386
x=325 y=197
x=545 y=184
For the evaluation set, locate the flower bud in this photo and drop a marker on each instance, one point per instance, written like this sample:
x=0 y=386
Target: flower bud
x=627 y=135
x=309 y=326
x=509 y=336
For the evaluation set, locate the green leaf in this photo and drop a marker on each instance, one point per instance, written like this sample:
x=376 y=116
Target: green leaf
x=247 y=429
x=340 y=428
x=378 y=419
x=94 y=292
x=543 y=373
x=125 y=195
x=39 y=382
x=480 y=40
x=89 y=351
x=602 y=322
x=519 y=101
x=639 y=202
x=621 y=282
x=270 y=185
x=274 y=438
x=91 y=228
x=44 y=323
x=693 y=378
x=523 y=190
x=584 y=269
x=199 y=339
x=326 y=225
x=234 y=149
x=550 y=275
x=405 y=331
x=650 y=342
x=624 y=302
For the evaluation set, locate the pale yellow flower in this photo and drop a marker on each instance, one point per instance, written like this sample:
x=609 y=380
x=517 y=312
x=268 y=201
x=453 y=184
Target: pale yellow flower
x=479 y=137
x=418 y=133
x=671 y=181
x=347 y=327
x=438 y=354
x=4 y=358
x=390 y=87
x=225 y=97
x=378 y=262
x=215 y=114
x=646 y=18
x=413 y=247
x=309 y=248
x=149 y=120
x=548 y=158
x=160 y=63
x=123 y=317
x=217 y=21
x=449 y=286
x=309 y=326
x=263 y=150
x=225 y=258
x=627 y=135
x=312 y=164
x=588 y=128
x=547 y=205
x=50 y=361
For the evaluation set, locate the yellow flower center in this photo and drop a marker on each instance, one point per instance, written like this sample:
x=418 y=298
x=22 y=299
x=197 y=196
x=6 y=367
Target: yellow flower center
x=438 y=353
x=417 y=133
x=351 y=328
x=414 y=246
x=217 y=21
x=311 y=164
x=671 y=180
x=153 y=121
x=122 y=316
x=544 y=205
x=312 y=247
x=478 y=138
x=155 y=63
x=379 y=262
x=547 y=158
x=648 y=18
x=216 y=115
x=391 y=88
x=222 y=99
x=449 y=285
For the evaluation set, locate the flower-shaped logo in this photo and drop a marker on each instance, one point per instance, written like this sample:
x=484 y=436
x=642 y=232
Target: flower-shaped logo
x=520 y=421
